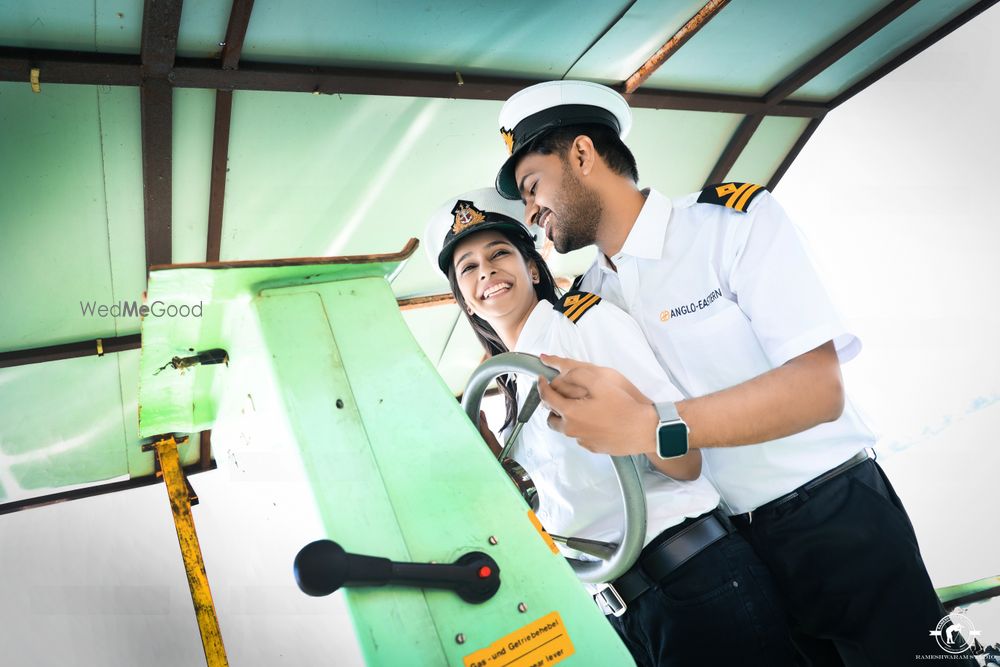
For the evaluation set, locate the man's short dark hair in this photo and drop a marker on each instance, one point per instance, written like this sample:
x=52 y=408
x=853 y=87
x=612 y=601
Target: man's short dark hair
x=606 y=142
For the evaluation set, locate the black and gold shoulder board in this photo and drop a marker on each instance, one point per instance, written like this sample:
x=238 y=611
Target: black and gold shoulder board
x=574 y=304
x=736 y=196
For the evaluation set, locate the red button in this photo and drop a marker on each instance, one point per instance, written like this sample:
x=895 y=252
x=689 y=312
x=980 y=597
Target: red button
x=485 y=572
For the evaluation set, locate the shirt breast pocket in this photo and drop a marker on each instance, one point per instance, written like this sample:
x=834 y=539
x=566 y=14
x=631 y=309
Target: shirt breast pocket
x=712 y=352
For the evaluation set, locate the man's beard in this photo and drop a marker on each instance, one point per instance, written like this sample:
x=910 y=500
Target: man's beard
x=580 y=211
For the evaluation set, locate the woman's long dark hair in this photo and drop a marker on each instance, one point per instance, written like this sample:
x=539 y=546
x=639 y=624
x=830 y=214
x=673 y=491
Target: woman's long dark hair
x=545 y=290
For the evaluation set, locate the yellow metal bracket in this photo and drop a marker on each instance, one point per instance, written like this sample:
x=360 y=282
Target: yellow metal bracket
x=194 y=563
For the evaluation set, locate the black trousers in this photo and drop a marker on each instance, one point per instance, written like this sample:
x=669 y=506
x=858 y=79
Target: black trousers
x=719 y=608
x=846 y=561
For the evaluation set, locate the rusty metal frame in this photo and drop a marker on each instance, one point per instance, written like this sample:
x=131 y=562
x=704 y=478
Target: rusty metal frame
x=101 y=69
x=671 y=46
x=99 y=489
x=84 y=348
x=236 y=30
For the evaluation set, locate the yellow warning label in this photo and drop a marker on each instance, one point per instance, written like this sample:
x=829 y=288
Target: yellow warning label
x=541 y=529
x=538 y=644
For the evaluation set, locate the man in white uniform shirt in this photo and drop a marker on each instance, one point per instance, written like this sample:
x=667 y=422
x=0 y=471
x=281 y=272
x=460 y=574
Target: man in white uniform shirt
x=700 y=580
x=724 y=291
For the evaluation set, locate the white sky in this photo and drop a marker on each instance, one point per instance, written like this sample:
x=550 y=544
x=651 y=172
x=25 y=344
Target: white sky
x=895 y=192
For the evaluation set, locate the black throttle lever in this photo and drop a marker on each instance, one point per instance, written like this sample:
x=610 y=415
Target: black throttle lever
x=321 y=567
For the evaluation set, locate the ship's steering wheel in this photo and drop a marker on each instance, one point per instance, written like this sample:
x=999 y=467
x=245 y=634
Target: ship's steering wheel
x=618 y=558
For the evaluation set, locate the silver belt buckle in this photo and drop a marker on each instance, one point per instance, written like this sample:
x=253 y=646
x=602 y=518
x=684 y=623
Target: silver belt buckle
x=611 y=605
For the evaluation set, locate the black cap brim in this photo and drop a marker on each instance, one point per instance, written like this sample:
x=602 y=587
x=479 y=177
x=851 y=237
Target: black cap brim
x=508 y=225
x=537 y=124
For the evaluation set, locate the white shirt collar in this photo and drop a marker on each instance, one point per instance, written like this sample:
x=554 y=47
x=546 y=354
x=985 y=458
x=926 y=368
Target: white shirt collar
x=645 y=239
x=535 y=327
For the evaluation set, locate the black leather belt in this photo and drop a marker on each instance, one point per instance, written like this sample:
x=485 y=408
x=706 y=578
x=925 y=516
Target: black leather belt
x=652 y=567
x=856 y=460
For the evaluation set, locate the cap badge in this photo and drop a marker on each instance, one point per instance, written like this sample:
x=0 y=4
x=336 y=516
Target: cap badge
x=508 y=139
x=466 y=215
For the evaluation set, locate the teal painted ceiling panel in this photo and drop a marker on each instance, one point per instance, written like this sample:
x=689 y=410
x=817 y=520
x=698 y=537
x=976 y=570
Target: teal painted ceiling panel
x=514 y=38
x=646 y=26
x=915 y=24
x=749 y=47
x=203 y=28
x=47 y=24
x=54 y=243
x=118 y=25
x=108 y=26
x=194 y=129
x=62 y=425
x=769 y=145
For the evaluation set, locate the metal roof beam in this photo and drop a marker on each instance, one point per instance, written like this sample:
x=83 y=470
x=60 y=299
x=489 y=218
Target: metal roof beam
x=926 y=42
x=236 y=32
x=84 y=348
x=220 y=160
x=687 y=31
x=73 y=67
x=239 y=20
x=156 y=106
x=161 y=21
x=99 y=489
x=793 y=153
x=838 y=50
x=734 y=148
x=100 y=69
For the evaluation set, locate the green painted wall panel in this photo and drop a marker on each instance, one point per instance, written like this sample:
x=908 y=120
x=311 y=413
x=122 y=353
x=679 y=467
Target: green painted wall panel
x=749 y=47
x=194 y=129
x=121 y=148
x=350 y=174
x=911 y=27
x=514 y=37
x=676 y=150
x=53 y=221
x=63 y=425
x=767 y=148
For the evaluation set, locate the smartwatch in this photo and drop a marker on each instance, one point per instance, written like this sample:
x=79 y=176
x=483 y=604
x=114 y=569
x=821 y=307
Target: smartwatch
x=671 y=432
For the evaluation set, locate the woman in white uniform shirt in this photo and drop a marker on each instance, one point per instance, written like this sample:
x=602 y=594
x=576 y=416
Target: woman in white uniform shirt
x=681 y=605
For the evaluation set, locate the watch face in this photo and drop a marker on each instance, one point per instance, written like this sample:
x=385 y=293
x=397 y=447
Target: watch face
x=672 y=440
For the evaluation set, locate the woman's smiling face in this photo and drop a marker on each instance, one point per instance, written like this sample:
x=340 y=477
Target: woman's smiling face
x=495 y=280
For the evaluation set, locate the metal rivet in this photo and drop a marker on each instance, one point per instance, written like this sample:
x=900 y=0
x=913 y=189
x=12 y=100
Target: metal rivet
x=493 y=540
x=521 y=607
x=340 y=404
x=459 y=638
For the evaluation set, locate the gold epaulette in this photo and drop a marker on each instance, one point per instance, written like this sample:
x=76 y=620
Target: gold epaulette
x=736 y=196
x=574 y=304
